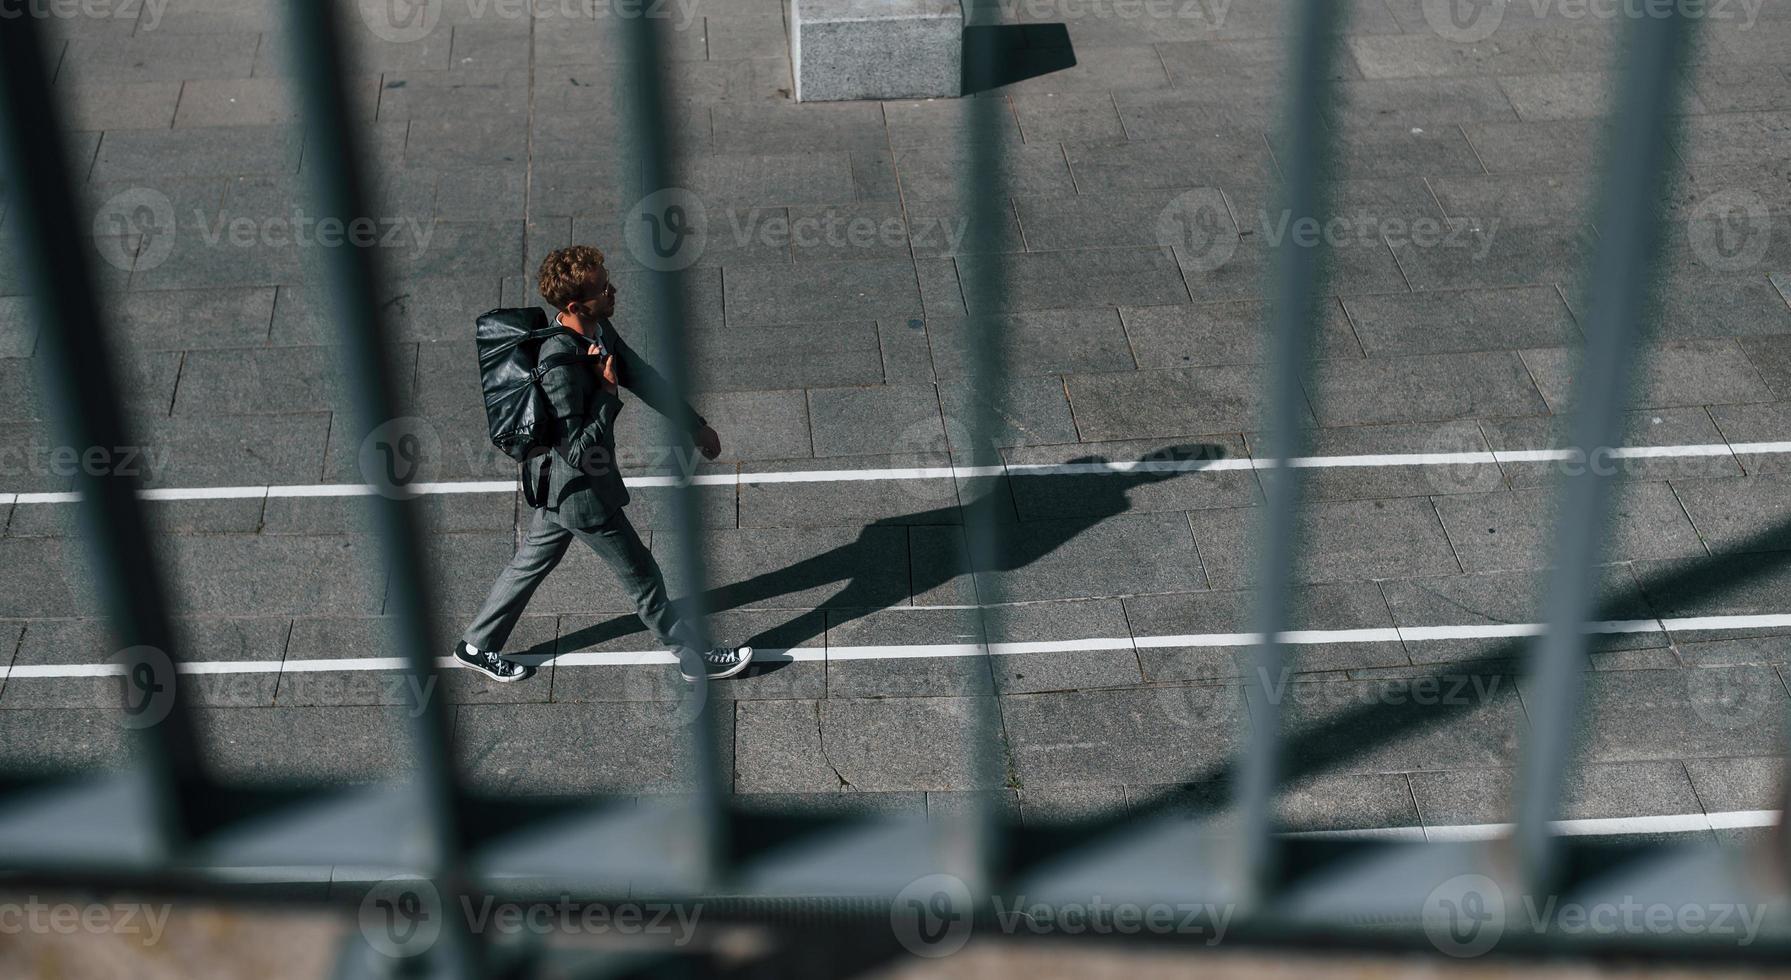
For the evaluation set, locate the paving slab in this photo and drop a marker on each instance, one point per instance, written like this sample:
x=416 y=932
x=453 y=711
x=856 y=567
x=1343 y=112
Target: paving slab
x=1035 y=342
x=1472 y=320
x=120 y=105
x=763 y=180
x=1338 y=606
x=1220 y=333
x=1342 y=540
x=1464 y=720
x=157 y=57
x=1074 y=278
x=545 y=749
x=1592 y=791
x=346 y=745
x=1692 y=712
x=1692 y=372
x=805 y=355
x=221 y=574
x=1043 y=494
x=775 y=674
x=414 y=310
x=856 y=744
x=1165 y=404
x=933 y=172
x=1221 y=156
x=87 y=641
x=807 y=568
x=1370 y=482
x=1763 y=422
x=1346 y=802
x=1738 y=516
x=1434 y=387
x=1516 y=529
x=874 y=419
x=769 y=503
x=49 y=741
x=1064 y=559
x=1103 y=736
x=1050 y=806
x=1506 y=598
x=1725 y=585
x=1468 y=253
x=1651 y=427
x=954 y=676
x=234 y=450
x=1750 y=783
x=329 y=638
x=1021 y=411
x=1037 y=670
x=868 y=289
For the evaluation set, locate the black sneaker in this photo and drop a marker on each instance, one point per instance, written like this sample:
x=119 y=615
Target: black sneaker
x=720 y=662
x=490 y=664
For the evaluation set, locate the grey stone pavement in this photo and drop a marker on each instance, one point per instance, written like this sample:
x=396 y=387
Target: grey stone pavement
x=830 y=326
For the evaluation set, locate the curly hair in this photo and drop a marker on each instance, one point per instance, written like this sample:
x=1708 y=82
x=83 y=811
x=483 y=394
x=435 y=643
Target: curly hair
x=570 y=274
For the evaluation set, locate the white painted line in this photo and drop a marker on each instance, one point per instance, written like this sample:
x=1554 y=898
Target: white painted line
x=1675 y=823
x=899 y=474
x=1737 y=819
x=1726 y=622
x=205 y=493
x=625 y=658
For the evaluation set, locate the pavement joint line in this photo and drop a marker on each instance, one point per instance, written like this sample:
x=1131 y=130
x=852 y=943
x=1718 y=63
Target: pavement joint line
x=844 y=654
x=903 y=474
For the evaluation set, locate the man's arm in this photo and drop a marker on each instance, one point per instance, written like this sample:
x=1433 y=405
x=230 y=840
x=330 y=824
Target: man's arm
x=640 y=377
x=583 y=410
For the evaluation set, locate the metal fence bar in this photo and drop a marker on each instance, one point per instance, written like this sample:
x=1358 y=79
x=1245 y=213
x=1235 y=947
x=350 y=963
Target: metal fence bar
x=350 y=272
x=651 y=171
x=984 y=201
x=78 y=371
x=1294 y=296
x=1638 y=154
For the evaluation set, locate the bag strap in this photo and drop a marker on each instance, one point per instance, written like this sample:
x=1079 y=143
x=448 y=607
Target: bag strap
x=552 y=361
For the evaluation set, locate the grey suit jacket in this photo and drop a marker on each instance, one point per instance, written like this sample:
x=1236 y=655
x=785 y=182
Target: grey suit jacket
x=582 y=481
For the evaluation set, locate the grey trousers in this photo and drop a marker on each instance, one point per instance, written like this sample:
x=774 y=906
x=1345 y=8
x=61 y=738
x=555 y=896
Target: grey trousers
x=616 y=542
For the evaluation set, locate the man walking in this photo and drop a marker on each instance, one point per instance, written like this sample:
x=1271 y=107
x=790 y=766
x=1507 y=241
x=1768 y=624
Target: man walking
x=576 y=489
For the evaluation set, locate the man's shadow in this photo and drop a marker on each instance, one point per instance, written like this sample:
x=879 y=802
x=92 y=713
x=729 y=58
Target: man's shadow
x=1098 y=490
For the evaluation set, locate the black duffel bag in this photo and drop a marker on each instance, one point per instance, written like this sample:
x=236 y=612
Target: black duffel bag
x=510 y=372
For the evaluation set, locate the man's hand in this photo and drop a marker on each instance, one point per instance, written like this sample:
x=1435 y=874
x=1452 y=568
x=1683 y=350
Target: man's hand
x=608 y=372
x=707 y=441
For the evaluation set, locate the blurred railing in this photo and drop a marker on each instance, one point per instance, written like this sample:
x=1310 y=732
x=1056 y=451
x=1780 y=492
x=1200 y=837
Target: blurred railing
x=834 y=893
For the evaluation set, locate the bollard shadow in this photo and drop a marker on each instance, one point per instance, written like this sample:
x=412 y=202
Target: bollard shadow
x=1002 y=54
x=1098 y=496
